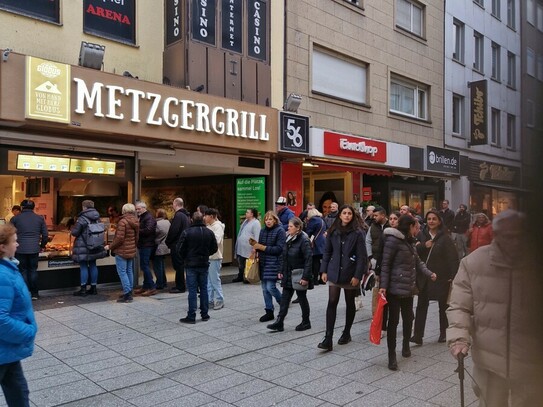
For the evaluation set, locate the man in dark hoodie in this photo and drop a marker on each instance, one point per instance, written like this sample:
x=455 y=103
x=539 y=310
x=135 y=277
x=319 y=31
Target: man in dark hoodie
x=146 y=247
x=180 y=222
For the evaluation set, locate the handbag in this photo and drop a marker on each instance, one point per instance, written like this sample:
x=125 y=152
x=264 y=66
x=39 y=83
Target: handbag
x=377 y=321
x=252 y=272
x=297 y=275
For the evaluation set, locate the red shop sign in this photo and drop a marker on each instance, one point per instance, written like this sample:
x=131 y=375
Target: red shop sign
x=354 y=147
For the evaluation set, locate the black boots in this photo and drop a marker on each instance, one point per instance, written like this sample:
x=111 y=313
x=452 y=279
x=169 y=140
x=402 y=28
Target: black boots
x=416 y=340
x=345 y=338
x=442 y=337
x=92 y=290
x=126 y=297
x=268 y=316
x=277 y=325
x=82 y=292
x=392 y=362
x=304 y=326
x=326 y=343
x=406 y=351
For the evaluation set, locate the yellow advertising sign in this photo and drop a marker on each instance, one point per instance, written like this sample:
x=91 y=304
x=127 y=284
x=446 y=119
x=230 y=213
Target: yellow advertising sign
x=92 y=166
x=42 y=163
x=47 y=90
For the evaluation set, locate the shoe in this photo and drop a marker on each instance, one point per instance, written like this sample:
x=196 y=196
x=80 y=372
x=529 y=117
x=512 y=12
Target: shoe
x=268 y=316
x=218 y=305
x=246 y=282
x=125 y=298
x=326 y=343
x=344 y=339
x=122 y=295
x=296 y=301
x=304 y=326
x=237 y=280
x=322 y=282
x=175 y=290
x=92 y=290
x=187 y=320
x=406 y=350
x=35 y=297
x=139 y=291
x=392 y=362
x=205 y=317
x=277 y=325
x=82 y=292
x=211 y=304
x=442 y=338
x=148 y=293
x=415 y=340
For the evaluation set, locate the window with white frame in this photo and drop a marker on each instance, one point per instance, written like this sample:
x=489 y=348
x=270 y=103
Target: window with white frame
x=496 y=61
x=496 y=125
x=511 y=14
x=457 y=115
x=511 y=70
x=540 y=67
x=511 y=132
x=458 y=35
x=479 y=50
x=496 y=4
x=530 y=11
x=410 y=16
x=339 y=77
x=530 y=62
x=539 y=16
x=408 y=98
x=530 y=115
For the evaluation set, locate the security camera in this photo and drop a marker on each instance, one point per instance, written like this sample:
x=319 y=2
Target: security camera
x=5 y=54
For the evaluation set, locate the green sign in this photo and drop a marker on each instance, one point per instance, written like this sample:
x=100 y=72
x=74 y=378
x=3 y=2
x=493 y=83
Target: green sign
x=250 y=193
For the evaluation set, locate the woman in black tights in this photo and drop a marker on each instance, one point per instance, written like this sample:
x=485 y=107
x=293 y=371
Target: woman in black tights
x=344 y=262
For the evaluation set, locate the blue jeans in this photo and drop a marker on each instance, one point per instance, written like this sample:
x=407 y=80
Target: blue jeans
x=145 y=260
x=14 y=384
x=270 y=291
x=28 y=266
x=160 y=271
x=85 y=267
x=214 y=281
x=125 y=269
x=197 y=277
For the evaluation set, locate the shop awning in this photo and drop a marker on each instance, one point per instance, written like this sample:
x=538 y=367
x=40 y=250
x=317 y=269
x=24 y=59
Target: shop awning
x=364 y=170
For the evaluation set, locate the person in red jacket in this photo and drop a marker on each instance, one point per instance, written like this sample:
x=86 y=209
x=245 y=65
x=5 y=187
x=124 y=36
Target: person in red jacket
x=480 y=233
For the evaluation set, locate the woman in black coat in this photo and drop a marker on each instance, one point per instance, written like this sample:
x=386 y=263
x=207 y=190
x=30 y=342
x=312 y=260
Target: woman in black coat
x=399 y=268
x=344 y=262
x=437 y=250
x=316 y=230
x=297 y=254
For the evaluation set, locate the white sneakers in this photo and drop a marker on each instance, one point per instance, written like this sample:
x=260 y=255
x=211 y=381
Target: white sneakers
x=218 y=305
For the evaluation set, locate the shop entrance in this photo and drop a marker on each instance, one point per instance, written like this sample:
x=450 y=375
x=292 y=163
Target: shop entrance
x=324 y=187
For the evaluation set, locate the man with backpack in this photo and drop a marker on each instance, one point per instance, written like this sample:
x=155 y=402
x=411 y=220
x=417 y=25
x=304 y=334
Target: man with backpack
x=89 y=235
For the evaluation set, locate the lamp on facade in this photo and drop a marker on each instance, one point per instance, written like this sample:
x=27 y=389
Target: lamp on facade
x=5 y=54
x=91 y=55
x=292 y=103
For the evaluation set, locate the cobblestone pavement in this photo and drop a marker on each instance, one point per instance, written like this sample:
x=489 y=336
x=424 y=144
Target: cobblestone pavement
x=94 y=352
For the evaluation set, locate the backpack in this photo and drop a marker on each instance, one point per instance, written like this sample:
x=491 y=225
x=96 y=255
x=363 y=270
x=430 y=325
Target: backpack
x=94 y=234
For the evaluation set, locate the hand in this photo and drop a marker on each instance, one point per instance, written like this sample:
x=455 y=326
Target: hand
x=106 y=247
x=259 y=246
x=429 y=243
x=324 y=277
x=459 y=347
x=433 y=277
x=383 y=291
x=304 y=282
x=355 y=281
x=252 y=241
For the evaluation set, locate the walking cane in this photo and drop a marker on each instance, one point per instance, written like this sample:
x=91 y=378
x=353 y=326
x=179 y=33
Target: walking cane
x=460 y=371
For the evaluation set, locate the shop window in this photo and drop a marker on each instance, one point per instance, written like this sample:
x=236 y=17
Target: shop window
x=408 y=98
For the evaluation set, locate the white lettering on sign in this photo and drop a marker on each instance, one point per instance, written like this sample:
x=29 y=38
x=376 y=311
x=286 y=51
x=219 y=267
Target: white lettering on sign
x=256 y=22
x=176 y=21
x=360 y=146
x=170 y=111
x=203 y=19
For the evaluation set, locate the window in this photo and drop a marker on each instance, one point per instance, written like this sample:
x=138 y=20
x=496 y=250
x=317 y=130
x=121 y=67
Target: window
x=511 y=70
x=479 y=48
x=511 y=13
x=457 y=114
x=496 y=124
x=408 y=98
x=337 y=77
x=496 y=8
x=539 y=16
x=530 y=116
x=458 y=33
x=480 y=2
x=540 y=67
x=496 y=61
x=530 y=16
x=410 y=16
x=511 y=133
x=530 y=62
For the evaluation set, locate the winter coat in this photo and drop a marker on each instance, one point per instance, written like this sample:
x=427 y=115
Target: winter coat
x=285 y=215
x=18 y=327
x=373 y=240
x=461 y=222
x=196 y=244
x=217 y=228
x=400 y=265
x=296 y=254
x=180 y=222
x=345 y=256
x=31 y=232
x=480 y=236
x=316 y=228
x=447 y=216
x=330 y=218
x=442 y=259
x=147 y=233
x=80 y=251
x=249 y=229
x=269 y=260
x=492 y=307
x=162 y=228
x=126 y=237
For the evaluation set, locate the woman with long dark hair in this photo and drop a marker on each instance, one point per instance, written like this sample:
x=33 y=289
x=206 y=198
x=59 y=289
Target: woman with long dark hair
x=344 y=262
x=437 y=250
x=399 y=267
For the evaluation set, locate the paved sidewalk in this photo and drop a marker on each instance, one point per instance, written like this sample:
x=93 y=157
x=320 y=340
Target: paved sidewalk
x=108 y=354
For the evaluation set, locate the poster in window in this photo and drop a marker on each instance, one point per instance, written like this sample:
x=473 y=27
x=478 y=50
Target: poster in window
x=112 y=19
x=203 y=21
x=257 y=30
x=47 y=10
x=231 y=25
x=174 y=21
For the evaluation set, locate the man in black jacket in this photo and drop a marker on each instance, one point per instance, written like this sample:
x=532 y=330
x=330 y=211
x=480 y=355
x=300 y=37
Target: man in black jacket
x=195 y=246
x=180 y=222
x=460 y=226
x=146 y=248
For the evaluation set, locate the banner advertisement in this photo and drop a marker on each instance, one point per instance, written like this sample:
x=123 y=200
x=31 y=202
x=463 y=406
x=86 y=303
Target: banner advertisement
x=232 y=19
x=478 y=112
x=203 y=21
x=250 y=193
x=114 y=20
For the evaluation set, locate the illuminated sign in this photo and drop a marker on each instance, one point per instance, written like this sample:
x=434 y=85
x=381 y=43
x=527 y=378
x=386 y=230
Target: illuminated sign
x=360 y=148
x=92 y=166
x=62 y=164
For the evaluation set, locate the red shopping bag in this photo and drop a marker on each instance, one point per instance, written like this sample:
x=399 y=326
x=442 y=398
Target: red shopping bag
x=377 y=321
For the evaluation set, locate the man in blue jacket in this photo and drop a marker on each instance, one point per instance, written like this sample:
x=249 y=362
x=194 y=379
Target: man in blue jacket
x=283 y=211
x=32 y=236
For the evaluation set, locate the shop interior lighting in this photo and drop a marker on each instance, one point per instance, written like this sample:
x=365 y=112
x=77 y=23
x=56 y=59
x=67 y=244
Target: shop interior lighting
x=292 y=103
x=91 y=55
